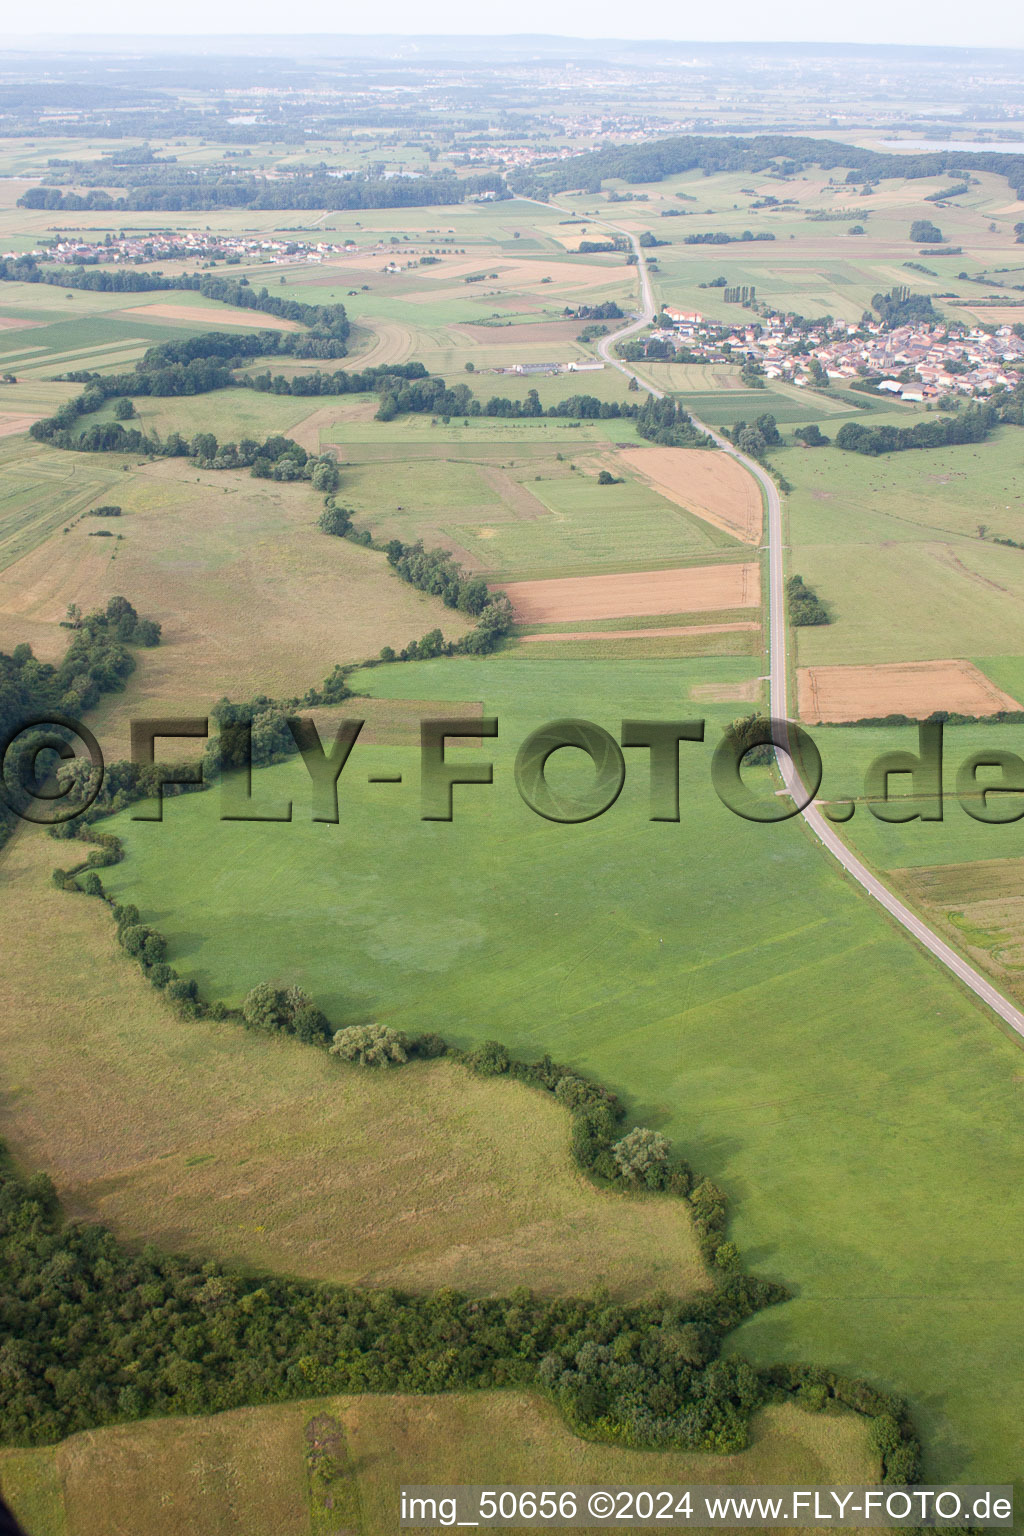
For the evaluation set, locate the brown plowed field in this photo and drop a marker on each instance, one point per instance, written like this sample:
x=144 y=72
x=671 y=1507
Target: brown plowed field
x=11 y=422
x=686 y=589
x=710 y=485
x=916 y=688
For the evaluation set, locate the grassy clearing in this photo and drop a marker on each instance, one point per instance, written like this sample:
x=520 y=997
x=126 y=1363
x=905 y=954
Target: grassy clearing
x=795 y=1047
x=203 y=552
x=246 y=1473
x=271 y=1155
x=636 y=648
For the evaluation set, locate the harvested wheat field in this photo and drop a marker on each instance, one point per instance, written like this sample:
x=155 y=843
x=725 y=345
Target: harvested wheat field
x=686 y=589
x=638 y=634
x=710 y=485
x=12 y=422
x=224 y=314
x=391 y=342
x=832 y=695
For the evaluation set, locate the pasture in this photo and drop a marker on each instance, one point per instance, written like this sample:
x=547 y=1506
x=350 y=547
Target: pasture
x=248 y=1473
x=849 y=1098
x=892 y=547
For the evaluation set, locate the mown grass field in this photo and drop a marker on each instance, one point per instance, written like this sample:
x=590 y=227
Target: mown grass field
x=891 y=546
x=247 y=1473
x=271 y=1155
x=847 y=1096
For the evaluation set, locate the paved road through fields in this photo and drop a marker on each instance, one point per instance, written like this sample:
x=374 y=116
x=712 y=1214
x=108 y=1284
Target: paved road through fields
x=777 y=668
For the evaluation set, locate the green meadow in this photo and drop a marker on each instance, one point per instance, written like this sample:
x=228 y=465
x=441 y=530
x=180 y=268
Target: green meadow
x=860 y=1111
x=892 y=546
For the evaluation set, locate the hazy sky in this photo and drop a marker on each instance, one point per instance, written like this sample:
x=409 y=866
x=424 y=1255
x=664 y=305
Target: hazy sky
x=1000 y=24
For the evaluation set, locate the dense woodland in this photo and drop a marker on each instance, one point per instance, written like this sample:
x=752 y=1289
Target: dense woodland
x=168 y=188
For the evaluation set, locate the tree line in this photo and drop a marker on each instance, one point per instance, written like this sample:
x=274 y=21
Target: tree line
x=970 y=426
x=169 y=188
x=719 y=237
x=434 y=571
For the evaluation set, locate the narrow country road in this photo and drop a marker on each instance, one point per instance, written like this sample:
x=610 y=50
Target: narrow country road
x=778 y=690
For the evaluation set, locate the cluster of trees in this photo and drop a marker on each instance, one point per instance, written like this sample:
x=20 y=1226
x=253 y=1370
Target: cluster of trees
x=118 y=620
x=434 y=570
x=602 y=247
x=924 y=232
x=609 y=310
x=666 y=423
x=970 y=426
x=720 y=238
x=96 y=662
x=812 y=436
x=944 y=193
x=901 y=307
x=805 y=606
x=284 y=1011
x=652 y=349
x=757 y=437
x=170 y=188
x=276 y=458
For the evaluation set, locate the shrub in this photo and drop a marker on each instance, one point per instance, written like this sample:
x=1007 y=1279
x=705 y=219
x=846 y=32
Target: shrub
x=92 y=885
x=642 y=1157
x=289 y=1011
x=185 y=997
x=372 y=1045
x=489 y=1060
x=429 y=1046
x=334 y=519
